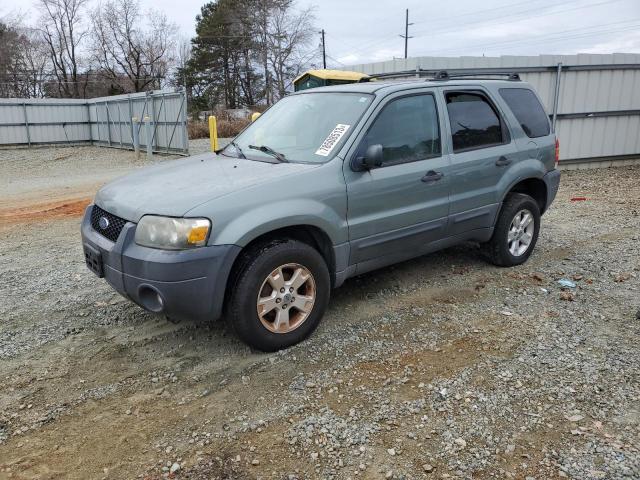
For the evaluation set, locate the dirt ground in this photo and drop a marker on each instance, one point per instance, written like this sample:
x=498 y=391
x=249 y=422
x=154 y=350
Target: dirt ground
x=441 y=367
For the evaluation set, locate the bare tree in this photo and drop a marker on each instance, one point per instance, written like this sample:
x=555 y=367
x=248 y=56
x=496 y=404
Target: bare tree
x=8 y=59
x=63 y=31
x=23 y=60
x=289 y=33
x=283 y=33
x=182 y=60
x=135 y=57
x=36 y=63
x=246 y=52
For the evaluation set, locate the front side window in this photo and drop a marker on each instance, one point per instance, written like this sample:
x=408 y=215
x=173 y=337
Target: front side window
x=408 y=130
x=307 y=127
x=528 y=111
x=474 y=121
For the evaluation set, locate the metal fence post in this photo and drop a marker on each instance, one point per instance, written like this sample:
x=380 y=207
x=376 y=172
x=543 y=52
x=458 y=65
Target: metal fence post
x=98 y=122
x=89 y=123
x=149 y=133
x=26 y=122
x=136 y=136
x=119 y=123
x=132 y=123
x=152 y=109
x=166 y=127
x=185 y=131
x=556 y=96
x=106 y=107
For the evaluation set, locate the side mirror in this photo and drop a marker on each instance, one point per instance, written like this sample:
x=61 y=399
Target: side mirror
x=372 y=159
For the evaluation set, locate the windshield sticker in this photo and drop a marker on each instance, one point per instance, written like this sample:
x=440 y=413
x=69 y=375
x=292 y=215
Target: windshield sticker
x=332 y=140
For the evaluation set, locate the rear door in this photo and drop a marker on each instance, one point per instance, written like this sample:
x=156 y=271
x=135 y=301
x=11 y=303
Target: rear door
x=398 y=208
x=482 y=150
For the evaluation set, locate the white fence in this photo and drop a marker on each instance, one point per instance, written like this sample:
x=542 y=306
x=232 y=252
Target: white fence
x=594 y=100
x=105 y=121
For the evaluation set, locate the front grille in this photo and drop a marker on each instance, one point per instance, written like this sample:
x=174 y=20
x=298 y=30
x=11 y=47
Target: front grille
x=114 y=225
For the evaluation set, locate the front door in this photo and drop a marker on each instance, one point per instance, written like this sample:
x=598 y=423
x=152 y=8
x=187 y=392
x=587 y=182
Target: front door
x=395 y=210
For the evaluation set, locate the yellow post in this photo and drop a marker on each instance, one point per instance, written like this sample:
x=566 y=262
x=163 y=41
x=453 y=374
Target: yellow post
x=213 y=133
x=254 y=116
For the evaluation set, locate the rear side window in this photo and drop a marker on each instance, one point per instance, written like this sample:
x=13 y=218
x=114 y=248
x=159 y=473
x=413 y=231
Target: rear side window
x=408 y=130
x=474 y=121
x=527 y=109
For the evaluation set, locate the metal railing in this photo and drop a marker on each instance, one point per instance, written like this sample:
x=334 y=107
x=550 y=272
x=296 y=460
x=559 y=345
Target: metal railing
x=105 y=121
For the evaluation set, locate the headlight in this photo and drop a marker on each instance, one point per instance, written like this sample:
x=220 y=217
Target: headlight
x=172 y=233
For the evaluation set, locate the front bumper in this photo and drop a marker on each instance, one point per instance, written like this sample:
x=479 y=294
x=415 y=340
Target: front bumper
x=183 y=284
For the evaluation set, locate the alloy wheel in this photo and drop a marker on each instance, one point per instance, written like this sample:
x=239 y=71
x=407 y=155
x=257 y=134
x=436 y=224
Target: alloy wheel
x=521 y=232
x=286 y=298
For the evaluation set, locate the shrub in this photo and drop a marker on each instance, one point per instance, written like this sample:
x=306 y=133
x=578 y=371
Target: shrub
x=197 y=129
x=226 y=128
x=231 y=128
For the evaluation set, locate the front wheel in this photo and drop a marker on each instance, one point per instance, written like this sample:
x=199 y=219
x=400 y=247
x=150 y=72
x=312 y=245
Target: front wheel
x=279 y=295
x=516 y=231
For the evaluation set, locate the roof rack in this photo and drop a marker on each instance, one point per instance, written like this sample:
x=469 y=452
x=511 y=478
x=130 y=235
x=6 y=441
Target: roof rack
x=443 y=75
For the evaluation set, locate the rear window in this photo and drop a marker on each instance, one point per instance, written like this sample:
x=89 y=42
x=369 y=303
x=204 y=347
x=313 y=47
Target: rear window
x=528 y=111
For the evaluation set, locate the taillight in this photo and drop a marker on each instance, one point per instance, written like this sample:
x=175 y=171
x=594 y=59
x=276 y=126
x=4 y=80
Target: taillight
x=557 y=151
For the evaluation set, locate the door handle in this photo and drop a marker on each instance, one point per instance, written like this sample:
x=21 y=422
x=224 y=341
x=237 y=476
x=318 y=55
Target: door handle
x=432 y=176
x=503 y=162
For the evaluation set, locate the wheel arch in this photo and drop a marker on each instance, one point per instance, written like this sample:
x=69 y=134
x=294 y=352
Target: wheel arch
x=535 y=187
x=311 y=235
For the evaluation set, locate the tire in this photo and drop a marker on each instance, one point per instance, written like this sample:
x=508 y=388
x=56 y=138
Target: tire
x=503 y=252
x=291 y=319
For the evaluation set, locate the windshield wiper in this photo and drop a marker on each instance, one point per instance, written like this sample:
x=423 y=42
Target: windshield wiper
x=270 y=151
x=238 y=149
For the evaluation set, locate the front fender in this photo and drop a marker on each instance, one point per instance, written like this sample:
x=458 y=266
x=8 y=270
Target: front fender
x=274 y=215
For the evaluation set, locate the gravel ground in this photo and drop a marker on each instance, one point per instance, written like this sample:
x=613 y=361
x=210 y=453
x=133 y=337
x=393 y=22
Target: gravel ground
x=442 y=367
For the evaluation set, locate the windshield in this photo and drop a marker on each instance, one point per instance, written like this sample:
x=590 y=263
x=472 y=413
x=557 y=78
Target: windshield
x=309 y=128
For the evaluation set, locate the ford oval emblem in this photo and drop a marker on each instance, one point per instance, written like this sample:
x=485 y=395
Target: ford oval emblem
x=103 y=223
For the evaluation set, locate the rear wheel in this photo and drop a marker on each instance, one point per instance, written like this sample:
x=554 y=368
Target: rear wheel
x=279 y=295
x=516 y=231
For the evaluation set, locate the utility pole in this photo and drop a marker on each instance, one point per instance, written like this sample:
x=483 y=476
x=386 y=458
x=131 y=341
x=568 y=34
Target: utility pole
x=324 y=52
x=406 y=32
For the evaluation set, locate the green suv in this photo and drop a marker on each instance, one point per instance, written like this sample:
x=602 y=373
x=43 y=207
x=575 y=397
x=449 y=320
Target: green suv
x=327 y=184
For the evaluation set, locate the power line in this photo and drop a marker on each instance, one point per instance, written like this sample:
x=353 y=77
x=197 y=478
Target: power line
x=523 y=14
x=474 y=13
x=556 y=36
x=335 y=60
x=374 y=42
x=576 y=36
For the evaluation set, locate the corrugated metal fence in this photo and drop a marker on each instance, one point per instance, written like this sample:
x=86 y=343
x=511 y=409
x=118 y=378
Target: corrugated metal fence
x=594 y=99
x=106 y=121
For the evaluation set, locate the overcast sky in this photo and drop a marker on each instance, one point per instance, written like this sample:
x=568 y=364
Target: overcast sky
x=359 y=31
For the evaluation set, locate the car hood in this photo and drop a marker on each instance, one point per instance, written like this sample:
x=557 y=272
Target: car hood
x=173 y=188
